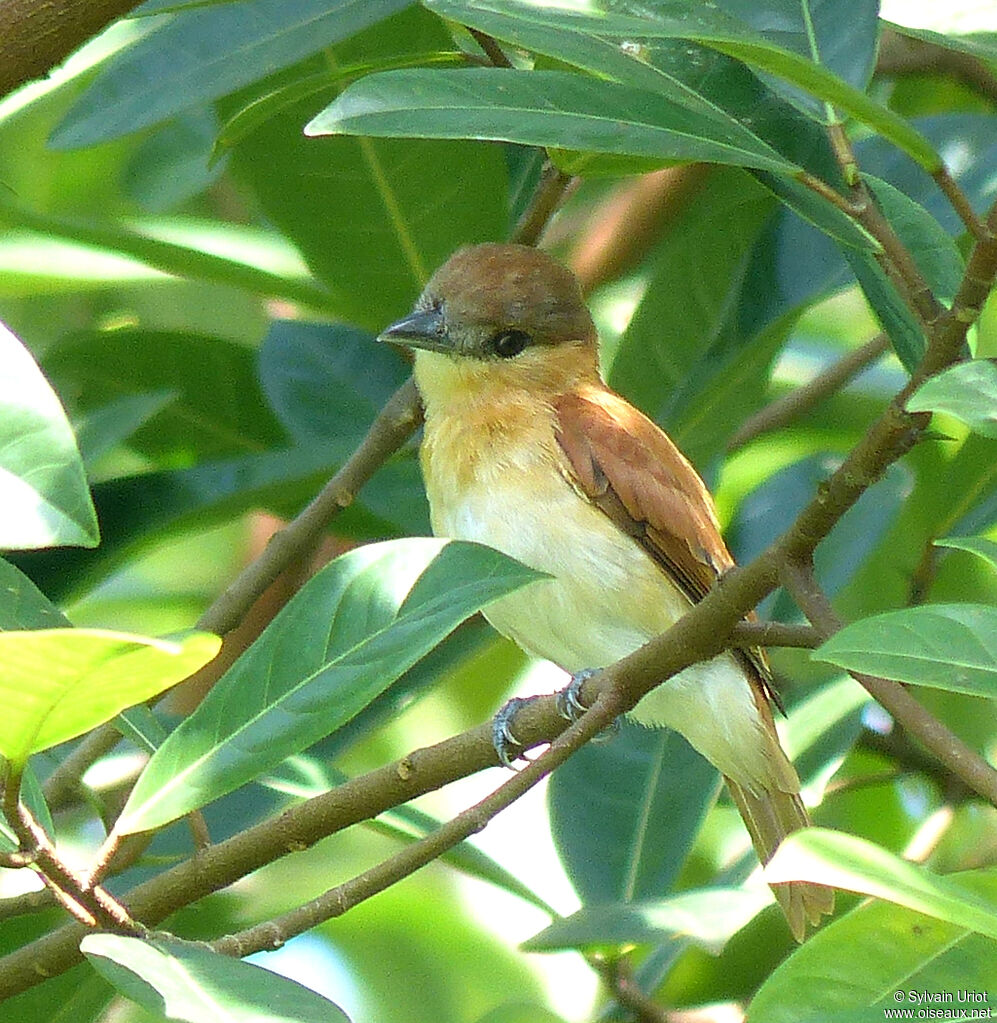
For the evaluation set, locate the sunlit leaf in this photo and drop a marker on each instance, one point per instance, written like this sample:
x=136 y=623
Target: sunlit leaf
x=707 y=916
x=967 y=391
x=945 y=646
x=978 y=545
x=861 y=961
x=854 y=864
x=192 y=983
x=44 y=500
x=58 y=683
x=353 y=629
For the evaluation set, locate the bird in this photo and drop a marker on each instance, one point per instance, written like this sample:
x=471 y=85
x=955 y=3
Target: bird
x=527 y=450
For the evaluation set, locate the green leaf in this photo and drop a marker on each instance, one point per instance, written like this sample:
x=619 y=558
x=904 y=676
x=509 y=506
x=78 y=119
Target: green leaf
x=544 y=108
x=945 y=646
x=707 y=916
x=353 y=629
x=874 y=951
x=216 y=405
x=58 y=683
x=192 y=983
x=44 y=500
x=327 y=380
x=979 y=44
x=520 y=1012
x=711 y=27
x=368 y=215
x=853 y=864
x=967 y=391
x=206 y=52
x=624 y=814
x=260 y=262
x=23 y=605
x=978 y=545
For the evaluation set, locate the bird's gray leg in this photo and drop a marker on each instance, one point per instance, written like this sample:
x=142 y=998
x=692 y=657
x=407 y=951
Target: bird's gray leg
x=507 y=746
x=571 y=708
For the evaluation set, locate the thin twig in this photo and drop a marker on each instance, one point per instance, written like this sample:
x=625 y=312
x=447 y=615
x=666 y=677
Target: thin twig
x=805 y=397
x=618 y=977
x=772 y=634
x=491 y=48
x=960 y=203
x=554 y=186
x=338 y=900
x=960 y=759
x=852 y=209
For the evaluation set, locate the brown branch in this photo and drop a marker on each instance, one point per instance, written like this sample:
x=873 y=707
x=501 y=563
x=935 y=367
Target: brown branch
x=752 y=634
x=804 y=398
x=35 y=37
x=491 y=48
x=271 y=934
x=698 y=635
x=553 y=188
x=618 y=978
x=964 y=762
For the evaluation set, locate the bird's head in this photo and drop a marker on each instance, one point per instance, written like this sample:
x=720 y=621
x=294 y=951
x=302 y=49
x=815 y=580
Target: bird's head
x=499 y=315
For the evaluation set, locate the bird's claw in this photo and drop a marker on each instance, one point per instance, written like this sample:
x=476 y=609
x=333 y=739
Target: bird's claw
x=569 y=703
x=571 y=708
x=507 y=746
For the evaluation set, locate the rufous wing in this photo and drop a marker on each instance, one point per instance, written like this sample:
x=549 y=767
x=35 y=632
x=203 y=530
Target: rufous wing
x=630 y=469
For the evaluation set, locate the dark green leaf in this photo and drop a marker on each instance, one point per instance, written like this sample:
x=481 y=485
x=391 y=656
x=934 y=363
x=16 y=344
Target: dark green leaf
x=347 y=634
x=326 y=381
x=845 y=861
x=544 y=108
x=58 y=683
x=205 y=52
x=945 y=646
x=43 y=490
x=711 y=27
x=967 y=391
x=216 y=408
x=374 y=218
x=103 y=429
x=706 y=916
x=625 y=813
x=192 y=983
x=979 y=44
x=876 y=950
x=23 y=605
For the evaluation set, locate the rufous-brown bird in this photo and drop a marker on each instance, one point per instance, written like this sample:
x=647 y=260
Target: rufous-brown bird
x=526 y=450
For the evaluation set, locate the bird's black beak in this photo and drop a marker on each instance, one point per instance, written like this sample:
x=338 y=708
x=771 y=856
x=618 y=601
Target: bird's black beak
x=426 y=328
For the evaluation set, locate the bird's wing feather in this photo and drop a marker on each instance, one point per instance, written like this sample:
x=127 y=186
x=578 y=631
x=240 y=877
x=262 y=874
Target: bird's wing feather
x=636 y=476
x=632 y=472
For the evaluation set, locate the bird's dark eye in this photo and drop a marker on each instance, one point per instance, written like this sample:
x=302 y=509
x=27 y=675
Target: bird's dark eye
x=508 y=343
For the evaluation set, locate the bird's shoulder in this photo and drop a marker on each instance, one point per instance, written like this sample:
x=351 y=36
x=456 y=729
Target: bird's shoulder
x=632 y=471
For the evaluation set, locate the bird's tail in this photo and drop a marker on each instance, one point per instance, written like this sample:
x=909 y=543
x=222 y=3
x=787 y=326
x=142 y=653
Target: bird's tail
x=769 y=817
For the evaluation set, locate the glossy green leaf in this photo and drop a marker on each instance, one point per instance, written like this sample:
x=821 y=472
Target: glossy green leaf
x=353 y=629
x=978 y=545
x=23 y=605
x=59 y=683
x=625 y=813
x=137 y=509
x=206 y=52
x=979 y=44
x=44 y=500
x=707 y=916
x=190 y=982
x=374 y=217
x=520 y=1012
x=945 y=646
x=216 y=407
x=711 y=27
x=859 y=962
x=967 y=391
x=544 y=108
x=844 y=861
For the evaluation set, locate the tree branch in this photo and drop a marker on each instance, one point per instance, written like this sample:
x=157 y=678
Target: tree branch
x=802 y=399
x=35 y=37
x=964 y=762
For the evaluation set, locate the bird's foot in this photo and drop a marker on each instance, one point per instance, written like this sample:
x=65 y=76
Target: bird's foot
x=507 y=746
x=571 y=708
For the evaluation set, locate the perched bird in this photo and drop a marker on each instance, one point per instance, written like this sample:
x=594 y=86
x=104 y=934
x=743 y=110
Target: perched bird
x=526 y=450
